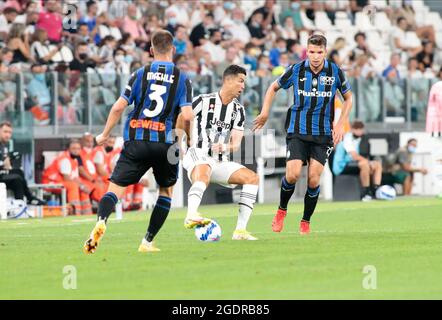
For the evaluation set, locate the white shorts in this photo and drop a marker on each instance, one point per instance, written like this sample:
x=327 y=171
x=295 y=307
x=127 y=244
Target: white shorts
x=221 y=170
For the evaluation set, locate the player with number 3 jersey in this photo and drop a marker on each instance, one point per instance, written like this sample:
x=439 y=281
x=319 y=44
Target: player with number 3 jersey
x=161 y=95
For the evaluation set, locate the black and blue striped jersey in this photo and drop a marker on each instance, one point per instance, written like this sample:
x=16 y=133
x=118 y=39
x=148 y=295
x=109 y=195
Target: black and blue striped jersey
x=158 y=91
x=312 y=111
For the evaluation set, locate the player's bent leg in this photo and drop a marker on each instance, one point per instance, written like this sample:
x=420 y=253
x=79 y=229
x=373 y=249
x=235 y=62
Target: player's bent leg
x=315 y=169
x=249 y=181
x=288 y=183
x=364 y=175
x=105 y=208
x=200 y=177
x=157 y=219
x=376 y=173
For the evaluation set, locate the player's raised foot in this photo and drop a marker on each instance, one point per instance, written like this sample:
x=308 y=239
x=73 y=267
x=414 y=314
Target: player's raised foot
x=192 y=222
x=243 y=235
x=278 y=220
x=304 y=227
x=147 y=246
x=91 y=244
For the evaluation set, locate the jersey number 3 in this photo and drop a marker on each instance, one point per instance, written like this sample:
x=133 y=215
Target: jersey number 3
x=157 y=91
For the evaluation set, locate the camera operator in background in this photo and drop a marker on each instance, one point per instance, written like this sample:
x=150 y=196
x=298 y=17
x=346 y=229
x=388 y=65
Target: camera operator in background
x=10 y=172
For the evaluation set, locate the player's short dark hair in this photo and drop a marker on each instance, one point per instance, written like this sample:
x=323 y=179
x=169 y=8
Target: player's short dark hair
x=162 y=41
x=317 y=40
x=233 y=70
x=357 y=124
x=5 y=124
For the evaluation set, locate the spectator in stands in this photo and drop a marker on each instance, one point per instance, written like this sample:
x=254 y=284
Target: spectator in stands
x=257 y=32
x=7 y=18
x=40 y=50
x=231 y=58
x=336 y=54
x=107 y=27
x=39 y=96
x=395 y=60
x=400 y=39
x=90 y=19
x=357 y=6
x=348 y=160
x=106 y=51
x=87 y=171
x=284 y=62
x=238 y=29
x=268 y=16
x=181 y=41
x=171 y=19
x=275 y=53
x=362 y=46
x=214 y=46
x=287 y=30
x=199 y=32
x=82 y=61
x=425 y=57
x=51 y=21
x=293 y=11
x=122 y=66
x=18 y=42
x=10 y=172
x=394 y=97
x=251 y=56
x=133 y=25
x=264 y=66
x=64 y=170
x=413 y=71
x=181 y=10
x=295 y=51
x=400 y=167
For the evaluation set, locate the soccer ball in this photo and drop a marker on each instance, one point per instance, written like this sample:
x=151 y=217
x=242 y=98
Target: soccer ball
x=386 y=192
x=208 y=233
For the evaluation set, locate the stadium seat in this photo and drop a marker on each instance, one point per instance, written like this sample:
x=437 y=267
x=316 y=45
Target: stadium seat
x=362 y=21
x=322 y=21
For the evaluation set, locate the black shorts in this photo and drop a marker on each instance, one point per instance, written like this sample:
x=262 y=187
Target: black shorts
x=306 y=147
x=351 y=168
x=139 y=156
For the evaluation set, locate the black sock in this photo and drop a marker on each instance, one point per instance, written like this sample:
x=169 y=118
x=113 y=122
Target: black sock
x=107 y=205
x=159 y=215
x=310 y=201
x=375 y=187
x=365 y=191
x=287 y=190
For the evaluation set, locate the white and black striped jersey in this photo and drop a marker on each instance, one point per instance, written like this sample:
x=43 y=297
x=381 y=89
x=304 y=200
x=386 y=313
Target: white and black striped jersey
x=214 y=121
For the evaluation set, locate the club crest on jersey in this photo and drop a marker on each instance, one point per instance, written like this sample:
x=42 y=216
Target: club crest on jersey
x=328 y=81
x=314 y=82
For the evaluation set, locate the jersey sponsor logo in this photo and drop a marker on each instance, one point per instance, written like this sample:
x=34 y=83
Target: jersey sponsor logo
x=328 y=81
x=147 y=124
x=158 y=76
x=302 y=79
x=315 y=93
x=220 y=124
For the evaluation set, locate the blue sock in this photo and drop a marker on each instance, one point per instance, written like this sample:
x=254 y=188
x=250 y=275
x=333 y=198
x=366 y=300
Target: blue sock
x=287 y=190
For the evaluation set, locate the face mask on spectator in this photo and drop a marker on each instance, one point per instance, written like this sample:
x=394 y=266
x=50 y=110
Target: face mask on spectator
x=128 y=59
x=411 y=149
x=82 y=56
x=108 y=149
x=217 y=42
x=40 y=77
x=202 y=61
x=172 y=22
x=119 y=58
x=191 y=74
x=295 y=5
x=228 y=5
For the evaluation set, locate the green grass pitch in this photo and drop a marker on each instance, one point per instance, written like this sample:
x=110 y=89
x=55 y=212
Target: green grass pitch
x=401 y=239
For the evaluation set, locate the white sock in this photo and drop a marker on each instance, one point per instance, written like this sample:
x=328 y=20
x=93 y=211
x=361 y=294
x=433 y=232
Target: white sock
x=194 y=198
x=246 y=201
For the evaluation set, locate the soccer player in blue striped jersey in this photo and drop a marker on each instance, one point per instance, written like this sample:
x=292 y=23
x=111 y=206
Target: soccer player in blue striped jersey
x=311 y=132
x=162 y=96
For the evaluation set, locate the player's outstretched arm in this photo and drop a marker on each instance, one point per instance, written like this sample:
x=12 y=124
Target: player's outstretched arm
x=338 y=128
x=112 y=120
x=261 y=119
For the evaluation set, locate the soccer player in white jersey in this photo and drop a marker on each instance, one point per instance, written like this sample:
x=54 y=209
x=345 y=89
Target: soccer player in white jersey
x=218 y=129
